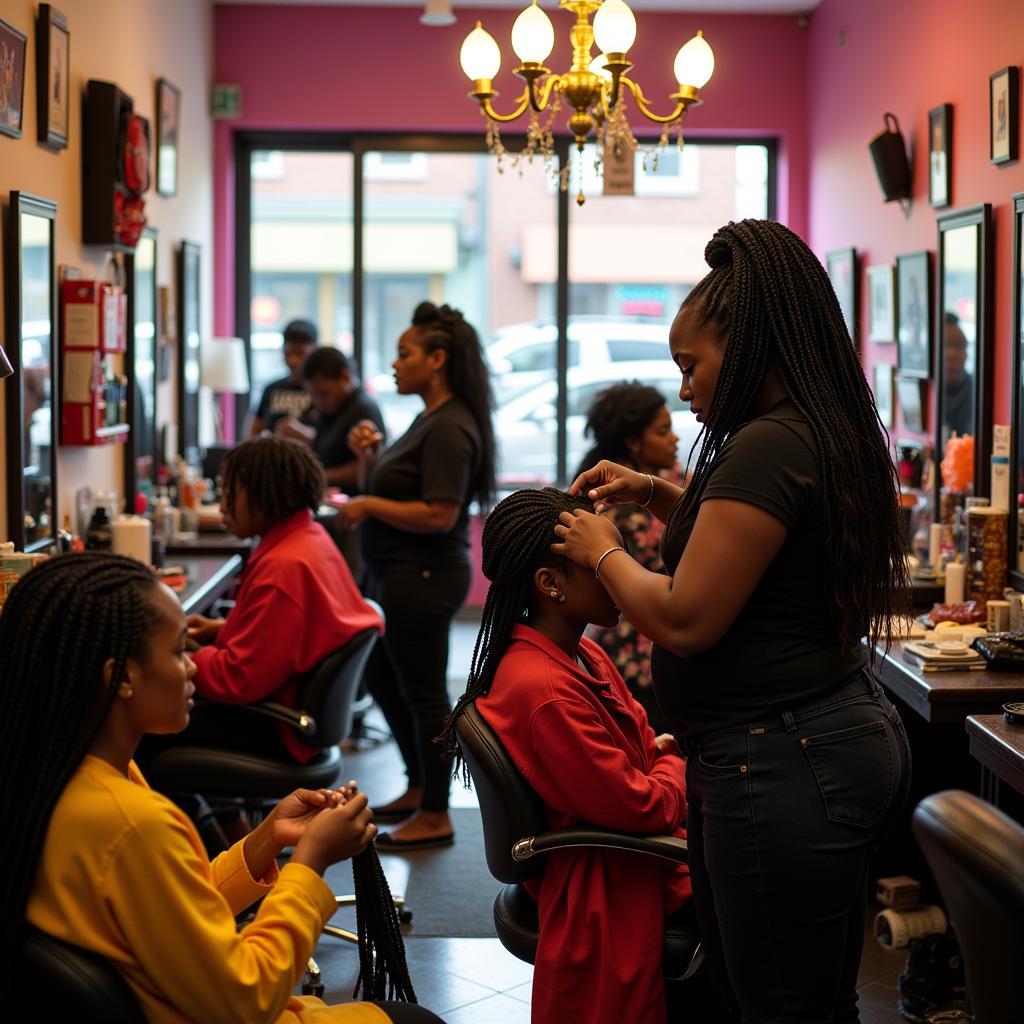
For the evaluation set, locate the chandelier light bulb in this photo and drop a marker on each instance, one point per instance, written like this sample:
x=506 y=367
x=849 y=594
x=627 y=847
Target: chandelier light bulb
x=614 y=27
x=599 y=67
x=533 y=35
x=694 y=62
x=480 y=56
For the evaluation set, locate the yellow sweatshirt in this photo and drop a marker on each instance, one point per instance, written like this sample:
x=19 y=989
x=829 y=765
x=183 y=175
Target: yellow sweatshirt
x=124 y=874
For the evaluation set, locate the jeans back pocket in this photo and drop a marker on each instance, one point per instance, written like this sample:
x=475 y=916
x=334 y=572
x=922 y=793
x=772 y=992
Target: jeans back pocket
x=854 y=771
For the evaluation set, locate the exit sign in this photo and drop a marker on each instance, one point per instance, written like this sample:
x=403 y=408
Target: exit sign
x=226 y=102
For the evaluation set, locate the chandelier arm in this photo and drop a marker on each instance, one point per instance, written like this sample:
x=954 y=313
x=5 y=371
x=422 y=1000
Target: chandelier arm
x=521 y=104
x=644 y=106
x=541 y=104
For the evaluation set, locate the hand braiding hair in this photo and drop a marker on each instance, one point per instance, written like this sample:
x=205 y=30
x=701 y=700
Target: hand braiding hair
x=772 y=303
x=517 y=540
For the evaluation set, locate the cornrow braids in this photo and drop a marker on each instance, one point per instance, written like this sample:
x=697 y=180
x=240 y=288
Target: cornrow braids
x=517 y=540
x=280 y=477
x=771 y=302
x=59 y=626
x=617 y=414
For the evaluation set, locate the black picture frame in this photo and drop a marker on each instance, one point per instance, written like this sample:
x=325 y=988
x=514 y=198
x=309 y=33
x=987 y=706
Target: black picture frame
x=1004 y=115
x=914 y=314
x=53 y=77
x=31 y=486
x=13 y=49
x=1016 y=575
x=168 y=121
x=979 y=217
x=140 y=366
x=189 y=284
x=940 y=156
x=842 y=269
x=910 y=395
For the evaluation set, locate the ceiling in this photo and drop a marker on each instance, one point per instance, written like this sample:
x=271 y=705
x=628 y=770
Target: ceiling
x=704 y=6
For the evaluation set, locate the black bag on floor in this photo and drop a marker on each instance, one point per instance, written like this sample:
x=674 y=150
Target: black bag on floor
x=931 y=982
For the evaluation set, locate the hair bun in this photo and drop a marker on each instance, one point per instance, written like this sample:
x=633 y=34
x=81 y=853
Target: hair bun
x=718 y=251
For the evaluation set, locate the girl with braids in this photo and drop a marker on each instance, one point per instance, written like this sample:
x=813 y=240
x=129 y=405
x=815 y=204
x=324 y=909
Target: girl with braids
x=94 y=649
x=414 y=540
x=584 y=745
x=297 y=602
x=631 y=424
x=783 y=552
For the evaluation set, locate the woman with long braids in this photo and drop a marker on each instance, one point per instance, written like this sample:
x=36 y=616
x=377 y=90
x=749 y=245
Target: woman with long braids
x=414 y=538
x=783 y=552
x=94 y=656
x=567 y=720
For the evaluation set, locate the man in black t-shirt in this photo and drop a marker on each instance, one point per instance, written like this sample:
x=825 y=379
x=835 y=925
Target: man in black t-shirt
x=339 y=403
x=287 y=397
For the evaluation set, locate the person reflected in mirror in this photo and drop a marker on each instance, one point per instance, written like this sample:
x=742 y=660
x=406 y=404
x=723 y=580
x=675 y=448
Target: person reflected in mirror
x=957 y=380
x=286 y=398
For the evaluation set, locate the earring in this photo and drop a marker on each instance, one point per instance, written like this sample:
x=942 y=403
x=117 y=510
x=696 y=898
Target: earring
x=127 y=691
x=561 y=598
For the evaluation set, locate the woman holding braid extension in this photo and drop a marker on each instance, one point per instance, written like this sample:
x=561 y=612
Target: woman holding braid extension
x=784 y=551
x=584 y=745
x=94 y=657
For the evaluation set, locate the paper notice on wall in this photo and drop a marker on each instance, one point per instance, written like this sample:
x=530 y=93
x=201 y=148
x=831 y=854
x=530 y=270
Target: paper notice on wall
x=81 y=325
x=78 y=368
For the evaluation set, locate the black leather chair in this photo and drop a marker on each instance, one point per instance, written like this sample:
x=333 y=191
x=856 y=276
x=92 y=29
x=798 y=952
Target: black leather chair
x=977 y=856
x=516 y=834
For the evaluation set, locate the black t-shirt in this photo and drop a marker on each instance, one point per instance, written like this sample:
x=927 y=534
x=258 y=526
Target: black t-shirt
x=784 y=647
x=331 y=440
x=436 y=459
x=282 y=399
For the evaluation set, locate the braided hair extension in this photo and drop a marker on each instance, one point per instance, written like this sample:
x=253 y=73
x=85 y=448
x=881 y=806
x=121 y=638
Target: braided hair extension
x=280 y=477
x=446 y=328
x=770 y=299
x=383 y=971
x=59 y=626
x=517 y=540
x=617 y=414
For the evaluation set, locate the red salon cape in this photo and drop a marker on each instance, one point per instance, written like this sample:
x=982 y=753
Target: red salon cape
x=586 y=748
x=297 y=603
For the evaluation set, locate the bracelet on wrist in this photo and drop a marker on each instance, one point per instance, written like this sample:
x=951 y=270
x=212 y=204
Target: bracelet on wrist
x=604 y=555
x=650 y=493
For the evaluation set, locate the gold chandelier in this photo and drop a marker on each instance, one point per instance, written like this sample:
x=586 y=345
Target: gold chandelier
x=592 y=86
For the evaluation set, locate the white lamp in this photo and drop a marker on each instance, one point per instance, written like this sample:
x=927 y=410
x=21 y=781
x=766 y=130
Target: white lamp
x=533 y=35
x=480 y=56
x=224 y=370
x=437 y=12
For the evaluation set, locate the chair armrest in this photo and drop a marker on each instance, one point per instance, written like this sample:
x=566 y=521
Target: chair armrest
x=668 y=847
x=301 y=721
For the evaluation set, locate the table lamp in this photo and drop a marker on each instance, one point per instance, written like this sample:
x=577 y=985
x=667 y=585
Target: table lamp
x=224 y=371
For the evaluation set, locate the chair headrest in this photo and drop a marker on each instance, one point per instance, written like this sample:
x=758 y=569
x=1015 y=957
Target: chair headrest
x=510 y=809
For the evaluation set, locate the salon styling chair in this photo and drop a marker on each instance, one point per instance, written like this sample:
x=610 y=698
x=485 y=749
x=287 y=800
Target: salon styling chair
x=223 y=777
x=517 y=835
x=977 y=856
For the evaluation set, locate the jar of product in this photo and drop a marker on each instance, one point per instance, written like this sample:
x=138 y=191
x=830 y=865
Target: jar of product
x=986 y=554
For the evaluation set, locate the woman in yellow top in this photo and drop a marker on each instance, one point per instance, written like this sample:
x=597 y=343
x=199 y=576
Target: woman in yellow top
x=94 y=657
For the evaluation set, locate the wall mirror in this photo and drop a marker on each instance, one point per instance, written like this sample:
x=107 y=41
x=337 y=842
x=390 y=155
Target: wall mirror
x=1017 y=420
x=140 y=363
x=963 y=331
x=31 y=304
x=188 y=350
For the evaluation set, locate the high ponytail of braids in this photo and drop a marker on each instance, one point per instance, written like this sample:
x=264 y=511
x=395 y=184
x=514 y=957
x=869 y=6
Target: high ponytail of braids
x=517 y=540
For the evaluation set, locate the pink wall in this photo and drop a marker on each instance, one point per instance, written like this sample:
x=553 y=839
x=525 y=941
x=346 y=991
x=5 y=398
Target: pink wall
x=909 y=57
x=378 y=69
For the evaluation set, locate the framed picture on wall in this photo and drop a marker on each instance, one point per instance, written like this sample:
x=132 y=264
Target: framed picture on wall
x=841 y=265
x=53 y=77
x=12 y=79
x=883 y=393
x=168 y=117
x=940 y=154
x=1003 y=115
x=909 y=394
x=882 y=302
x=914 y=314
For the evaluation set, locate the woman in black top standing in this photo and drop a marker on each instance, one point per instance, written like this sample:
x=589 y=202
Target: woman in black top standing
x=414 y=538
x=784 y=551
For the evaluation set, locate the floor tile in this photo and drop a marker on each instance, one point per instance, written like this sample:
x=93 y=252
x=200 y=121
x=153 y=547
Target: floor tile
x=499 y=1009
x=523 y=992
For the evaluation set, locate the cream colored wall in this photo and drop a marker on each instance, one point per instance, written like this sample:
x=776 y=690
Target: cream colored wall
x=131 y=43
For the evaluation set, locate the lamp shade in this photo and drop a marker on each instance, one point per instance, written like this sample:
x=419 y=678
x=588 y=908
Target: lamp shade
x=599 y=66
x=480 y=55
x=437 y=12
x=533 y=35
x=694 y=62
x=5 y=366
x=614 y=27
x=224 y=367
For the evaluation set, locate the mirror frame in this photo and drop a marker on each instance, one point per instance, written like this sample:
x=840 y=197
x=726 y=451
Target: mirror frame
x=980 y=216
x=1016 y=576
x=189 y=273
x=130 y=454
x=22 y=203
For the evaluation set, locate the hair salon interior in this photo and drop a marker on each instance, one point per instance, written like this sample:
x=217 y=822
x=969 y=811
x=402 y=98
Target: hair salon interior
x=296 y=294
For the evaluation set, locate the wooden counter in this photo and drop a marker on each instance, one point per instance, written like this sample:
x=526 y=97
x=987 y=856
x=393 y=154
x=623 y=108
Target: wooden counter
x=999 y=747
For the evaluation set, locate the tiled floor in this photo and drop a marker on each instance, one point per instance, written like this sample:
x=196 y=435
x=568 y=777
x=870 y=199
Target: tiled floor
x=474 y=980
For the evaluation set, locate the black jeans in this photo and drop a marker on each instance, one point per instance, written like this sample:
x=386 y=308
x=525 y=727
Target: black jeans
x=783 y=817
x=408 y=670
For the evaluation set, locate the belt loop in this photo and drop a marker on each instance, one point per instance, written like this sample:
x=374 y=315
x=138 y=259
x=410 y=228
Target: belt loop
x=789 y=721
